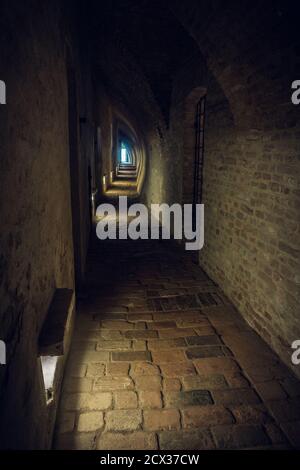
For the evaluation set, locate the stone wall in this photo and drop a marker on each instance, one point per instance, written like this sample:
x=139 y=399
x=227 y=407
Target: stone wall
x=252 y=227
x=251 y=162
x=36 y=220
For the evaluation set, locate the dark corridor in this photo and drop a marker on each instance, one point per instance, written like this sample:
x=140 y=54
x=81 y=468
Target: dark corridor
x=143 y=344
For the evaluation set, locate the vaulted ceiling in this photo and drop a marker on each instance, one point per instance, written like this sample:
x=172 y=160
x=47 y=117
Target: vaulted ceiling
x=147 y=36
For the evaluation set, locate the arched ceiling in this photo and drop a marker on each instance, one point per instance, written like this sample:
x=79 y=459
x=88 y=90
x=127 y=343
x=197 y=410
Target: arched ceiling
x=138 y=45
x=146 y=36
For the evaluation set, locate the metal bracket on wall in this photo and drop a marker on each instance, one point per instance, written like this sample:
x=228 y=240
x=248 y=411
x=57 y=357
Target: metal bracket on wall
x=198 y=154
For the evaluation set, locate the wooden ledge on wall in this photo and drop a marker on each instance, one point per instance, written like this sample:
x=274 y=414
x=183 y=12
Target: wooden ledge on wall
x=52 y=339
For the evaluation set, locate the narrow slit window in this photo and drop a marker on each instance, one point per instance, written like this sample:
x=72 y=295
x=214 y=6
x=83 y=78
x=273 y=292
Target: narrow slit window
x=49 y=366
x=124 y=154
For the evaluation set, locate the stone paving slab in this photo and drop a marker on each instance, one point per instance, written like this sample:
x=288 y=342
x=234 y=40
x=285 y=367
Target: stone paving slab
x=160 y=359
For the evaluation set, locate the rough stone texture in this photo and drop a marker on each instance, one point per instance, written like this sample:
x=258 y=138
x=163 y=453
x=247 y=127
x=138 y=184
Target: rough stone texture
x=144 y=369
x=178 y=369
x=130 y=441
x=125 y=400
x=250 y=163
x=193 y=397
x=161 y=357
x=78 y=401
x=150 y=399
x=240 y=436
x=131 y=356
x=271 y=391
x=90 y=421
x=105 y=384
x=161 y=344
x=123 y=420
x=205 y=351
x=96 y=370
x=36 y=218
x=186 y=440
x=160 y=420
x=205 y=382
x=199 y=416
x=171 y=385
x=211 y=365
x=235 y=397
x=148 y=382
x=76 y=441
x=247 y=400
x=117 y=370
x=250 y=414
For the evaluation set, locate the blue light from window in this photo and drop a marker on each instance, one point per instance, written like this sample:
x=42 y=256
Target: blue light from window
x=124 y=157
x=125 y=154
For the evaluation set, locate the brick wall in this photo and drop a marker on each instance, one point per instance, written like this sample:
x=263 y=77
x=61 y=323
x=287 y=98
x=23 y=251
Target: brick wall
x=252 y=228
x=251 y=167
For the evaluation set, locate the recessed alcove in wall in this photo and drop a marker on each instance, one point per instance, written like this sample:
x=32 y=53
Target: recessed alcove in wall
x=49 y=366
x=54 y=341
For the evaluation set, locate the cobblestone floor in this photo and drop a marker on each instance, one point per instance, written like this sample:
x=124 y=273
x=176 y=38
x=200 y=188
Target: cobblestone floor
x=161 y=360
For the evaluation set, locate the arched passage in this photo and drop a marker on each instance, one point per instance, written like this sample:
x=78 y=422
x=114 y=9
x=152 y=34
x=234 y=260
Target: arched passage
x=166 y=354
